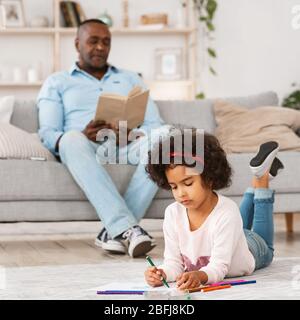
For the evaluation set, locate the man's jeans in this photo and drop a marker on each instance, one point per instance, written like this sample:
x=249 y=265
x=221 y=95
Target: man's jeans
x=116 y=212
x=257 y=214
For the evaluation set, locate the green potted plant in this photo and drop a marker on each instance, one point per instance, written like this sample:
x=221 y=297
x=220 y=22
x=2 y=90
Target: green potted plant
x=206 y=10
x=292 y=100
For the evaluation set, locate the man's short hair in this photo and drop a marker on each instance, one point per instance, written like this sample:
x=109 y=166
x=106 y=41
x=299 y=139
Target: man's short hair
x=88 y=21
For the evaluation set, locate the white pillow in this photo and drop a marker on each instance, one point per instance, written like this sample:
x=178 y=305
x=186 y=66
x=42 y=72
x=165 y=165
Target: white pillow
x=16 y=143
x=6 y=108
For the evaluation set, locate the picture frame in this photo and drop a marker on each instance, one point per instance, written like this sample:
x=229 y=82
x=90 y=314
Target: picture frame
x=169 y=64
x=14 y=13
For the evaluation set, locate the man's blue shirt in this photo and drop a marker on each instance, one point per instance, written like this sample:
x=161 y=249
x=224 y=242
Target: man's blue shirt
x=68 y=101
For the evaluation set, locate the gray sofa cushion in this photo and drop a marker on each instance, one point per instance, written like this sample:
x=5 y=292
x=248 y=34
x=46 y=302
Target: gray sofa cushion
x=25 y=115
x=52 y=181
x=198 y=114
x=12 y=211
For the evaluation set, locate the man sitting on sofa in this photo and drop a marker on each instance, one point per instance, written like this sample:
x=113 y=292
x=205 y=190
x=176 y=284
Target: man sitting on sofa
x=67 y=104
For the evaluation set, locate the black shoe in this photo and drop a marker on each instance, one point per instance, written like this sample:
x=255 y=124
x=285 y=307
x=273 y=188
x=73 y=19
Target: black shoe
x=277 y=166
x=105 y=241
x=263 y=161
x=137 y=240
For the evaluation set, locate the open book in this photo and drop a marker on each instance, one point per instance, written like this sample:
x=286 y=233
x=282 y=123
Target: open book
x=113 y=108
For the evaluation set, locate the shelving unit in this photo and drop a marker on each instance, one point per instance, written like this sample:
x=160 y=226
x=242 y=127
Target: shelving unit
x=58 y=33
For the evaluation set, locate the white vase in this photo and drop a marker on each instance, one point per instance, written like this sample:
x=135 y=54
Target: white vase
x=18 y=74
x=2 y=17
x=32 y=75
x=39 y=22
x=181 y=18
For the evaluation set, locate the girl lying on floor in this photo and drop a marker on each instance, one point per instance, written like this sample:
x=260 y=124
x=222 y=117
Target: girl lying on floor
x=207 y=237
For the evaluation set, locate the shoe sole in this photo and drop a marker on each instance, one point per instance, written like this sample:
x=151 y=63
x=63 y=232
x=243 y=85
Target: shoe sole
x=140 y=248
x=114 y=248
x=264 y=158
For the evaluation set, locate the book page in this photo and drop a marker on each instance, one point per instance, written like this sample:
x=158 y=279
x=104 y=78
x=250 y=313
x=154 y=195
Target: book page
x=110 y=110
x=136 y=108
x=113 y=108
x=135 y=91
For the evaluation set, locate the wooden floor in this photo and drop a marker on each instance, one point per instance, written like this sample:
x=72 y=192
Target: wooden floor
x=37 y=244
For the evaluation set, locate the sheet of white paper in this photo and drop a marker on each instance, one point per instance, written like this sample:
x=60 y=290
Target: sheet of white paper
x=132 y=286
x=151 y=293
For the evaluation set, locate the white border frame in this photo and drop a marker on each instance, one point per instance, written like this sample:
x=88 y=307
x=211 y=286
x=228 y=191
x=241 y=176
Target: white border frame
x=19 y=5
x=160 y=54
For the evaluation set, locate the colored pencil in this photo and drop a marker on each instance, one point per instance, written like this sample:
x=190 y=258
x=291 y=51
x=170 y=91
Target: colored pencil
x=139 y=292
x=198 y=289
x=243 y=282
x=153 y=265
x=234 y=283
x=216 y=288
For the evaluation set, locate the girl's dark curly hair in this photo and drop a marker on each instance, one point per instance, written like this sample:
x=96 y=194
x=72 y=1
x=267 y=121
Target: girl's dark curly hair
x=216 y=172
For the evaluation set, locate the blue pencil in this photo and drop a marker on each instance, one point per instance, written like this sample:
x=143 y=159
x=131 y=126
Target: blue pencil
x=233 y=283
x=121 y=292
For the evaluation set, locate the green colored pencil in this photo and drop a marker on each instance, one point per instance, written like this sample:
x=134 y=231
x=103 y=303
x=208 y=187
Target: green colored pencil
x=153 y=265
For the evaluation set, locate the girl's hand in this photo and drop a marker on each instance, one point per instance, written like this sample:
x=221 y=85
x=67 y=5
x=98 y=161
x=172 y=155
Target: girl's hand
x=153 y=276
x=191 y=279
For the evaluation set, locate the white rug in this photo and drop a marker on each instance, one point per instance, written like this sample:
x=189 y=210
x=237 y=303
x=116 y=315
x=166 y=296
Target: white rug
x=281 y=280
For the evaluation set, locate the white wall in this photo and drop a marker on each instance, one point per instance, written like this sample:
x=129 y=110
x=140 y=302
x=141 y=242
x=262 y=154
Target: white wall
x=257 y=48
x=256 y=45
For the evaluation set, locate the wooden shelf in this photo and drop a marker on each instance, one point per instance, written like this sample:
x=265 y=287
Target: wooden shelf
x=135 y=31
x=148 y=82
x=27 y=31
x=72 y=31
x=167 y=82
x=21 y=84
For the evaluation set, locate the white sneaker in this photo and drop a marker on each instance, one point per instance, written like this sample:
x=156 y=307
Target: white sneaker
x=263 y=160
x=105 y=241
x=137 y=240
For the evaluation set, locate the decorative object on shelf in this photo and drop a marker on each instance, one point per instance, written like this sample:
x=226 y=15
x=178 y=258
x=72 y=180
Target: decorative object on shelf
x=19 y=74
x=168 y=64
x=39 y=22
x=33 y=74
x=14 y=13
x=2 y=17
x=293 y=99
x=125 y=14
x=154 y=18
x=72 y=13
x=106 y=18
x=181 y=21
x=206 y=12
x=5 y=72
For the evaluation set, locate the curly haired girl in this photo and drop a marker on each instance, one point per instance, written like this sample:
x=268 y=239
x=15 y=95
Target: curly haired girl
x=207 y=236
